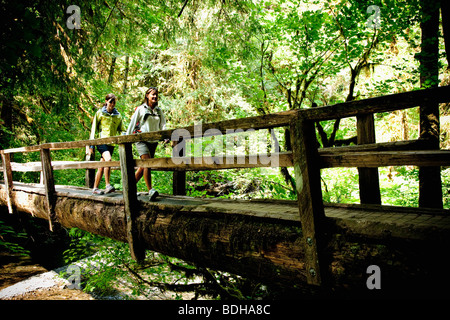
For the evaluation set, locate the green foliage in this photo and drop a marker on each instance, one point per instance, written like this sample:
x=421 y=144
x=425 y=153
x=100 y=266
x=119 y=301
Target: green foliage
x=10 y=238
x=445 y=175
x=400 y=186
x=82 y=244
x=110 y=272
x=340 y=185
x=216 y=60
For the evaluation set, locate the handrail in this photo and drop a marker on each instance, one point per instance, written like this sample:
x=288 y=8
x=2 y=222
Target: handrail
x=330 y=157
x=378 y=104
x=203 y=130
x=387 y=103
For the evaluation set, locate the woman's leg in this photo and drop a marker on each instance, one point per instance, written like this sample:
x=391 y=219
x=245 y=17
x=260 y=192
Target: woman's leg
x=144 y=172
x=98 y=176
x=106 y=156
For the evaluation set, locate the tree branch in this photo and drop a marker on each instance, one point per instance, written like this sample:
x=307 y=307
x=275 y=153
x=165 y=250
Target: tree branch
x=184 y=5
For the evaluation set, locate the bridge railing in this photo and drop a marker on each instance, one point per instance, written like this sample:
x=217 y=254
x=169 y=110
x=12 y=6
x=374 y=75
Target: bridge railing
x=306 y=159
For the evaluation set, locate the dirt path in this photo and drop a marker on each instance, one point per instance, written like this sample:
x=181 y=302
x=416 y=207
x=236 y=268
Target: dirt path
x=20 y=279
x=16 y=268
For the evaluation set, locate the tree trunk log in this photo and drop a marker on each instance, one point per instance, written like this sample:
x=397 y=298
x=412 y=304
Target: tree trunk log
x=262 y=240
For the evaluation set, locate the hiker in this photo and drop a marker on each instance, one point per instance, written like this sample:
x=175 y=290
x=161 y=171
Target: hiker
x=146 y=118
x=107 y=123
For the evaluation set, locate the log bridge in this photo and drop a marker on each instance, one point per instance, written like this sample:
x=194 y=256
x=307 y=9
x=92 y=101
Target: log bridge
x=300 y=244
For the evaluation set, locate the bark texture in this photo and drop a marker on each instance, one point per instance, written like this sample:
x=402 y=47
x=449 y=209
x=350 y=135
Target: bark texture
x=226 y=235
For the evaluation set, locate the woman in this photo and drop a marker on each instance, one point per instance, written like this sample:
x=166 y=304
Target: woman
x=146 y=118
x=107 y=123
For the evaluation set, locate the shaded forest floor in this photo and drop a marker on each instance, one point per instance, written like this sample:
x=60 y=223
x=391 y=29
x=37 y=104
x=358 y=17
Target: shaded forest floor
x=28 y=280
x=17 y=268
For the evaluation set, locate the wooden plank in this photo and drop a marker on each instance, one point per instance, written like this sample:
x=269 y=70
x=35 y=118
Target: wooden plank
x=309 y=193
x=26 y=167
x=388 y=209
x=329 y=158
x=386 y=103
x=386 y=158
x=179 y=176
x=258 y=246
x=131 y=205
x=49 y=185
x=283 y=159
x=170 y=164
x=207 y=129
x=89 y=176
x=179 y=183
x=23 y=149
x=7 y=176
x=369 y=182
x=405 y=145
x=62 y=165
x=358 y=107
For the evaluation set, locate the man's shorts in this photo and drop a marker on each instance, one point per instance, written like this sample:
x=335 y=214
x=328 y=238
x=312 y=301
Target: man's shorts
x=146 y=148
x=104 y=147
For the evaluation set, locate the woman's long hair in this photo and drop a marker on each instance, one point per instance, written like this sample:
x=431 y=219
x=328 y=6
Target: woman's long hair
x=138 y=126
x=111 y=97
x=147 y=92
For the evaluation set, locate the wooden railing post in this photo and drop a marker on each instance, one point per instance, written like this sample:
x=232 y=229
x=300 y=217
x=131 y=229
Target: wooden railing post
x=179 y=183
x=7 y=176
x=369 y=183
x=130 y=200
x=309 y=193
x=179 y=176
x=49 y=185
x=90 y=173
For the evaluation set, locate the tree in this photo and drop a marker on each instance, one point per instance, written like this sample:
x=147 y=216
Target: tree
x=430 y=187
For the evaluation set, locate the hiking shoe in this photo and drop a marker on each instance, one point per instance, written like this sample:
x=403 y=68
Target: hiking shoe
x=97 y=191
x=110 y=189
x=153 y=194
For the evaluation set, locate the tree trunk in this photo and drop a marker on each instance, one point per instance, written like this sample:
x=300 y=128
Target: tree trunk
x=262 y=240
x=111 y=70
x=6 y=118
x=369 y=184
x=445 y=11
x=430 y=187
x=127 y=69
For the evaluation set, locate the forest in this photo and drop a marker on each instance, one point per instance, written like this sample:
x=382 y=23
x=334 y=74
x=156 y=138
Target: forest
x=214 y=60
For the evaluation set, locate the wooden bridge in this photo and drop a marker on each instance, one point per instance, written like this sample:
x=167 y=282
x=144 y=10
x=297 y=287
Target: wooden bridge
x=303 y=243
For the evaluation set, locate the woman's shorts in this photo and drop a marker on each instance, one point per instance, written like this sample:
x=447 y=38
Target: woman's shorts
x=104 y=147
x=146 y=148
